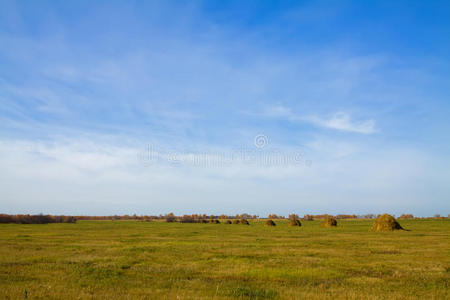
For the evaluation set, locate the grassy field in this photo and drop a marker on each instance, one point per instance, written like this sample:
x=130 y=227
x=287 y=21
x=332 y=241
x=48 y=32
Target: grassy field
x=158 y=260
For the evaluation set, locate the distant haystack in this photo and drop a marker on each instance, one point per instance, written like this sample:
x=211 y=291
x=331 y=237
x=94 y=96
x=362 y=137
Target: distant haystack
x=329 y=222
x=270 y=223
x=294 y=222
x=244 y=222
x=386 y=223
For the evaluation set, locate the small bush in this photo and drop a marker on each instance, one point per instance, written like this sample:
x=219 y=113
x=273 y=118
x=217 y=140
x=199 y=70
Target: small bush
x=308 y=218
x=293 y=217
x=329 y=222
x=270 y=223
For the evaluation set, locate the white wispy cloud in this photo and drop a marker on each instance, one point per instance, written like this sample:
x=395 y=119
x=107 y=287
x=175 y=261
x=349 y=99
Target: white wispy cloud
x=340 y=120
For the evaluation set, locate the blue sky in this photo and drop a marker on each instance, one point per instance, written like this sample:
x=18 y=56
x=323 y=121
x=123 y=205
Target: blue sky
x=356 y=92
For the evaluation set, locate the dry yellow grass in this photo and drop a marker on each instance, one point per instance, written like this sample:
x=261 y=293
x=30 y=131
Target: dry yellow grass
x=160 y=260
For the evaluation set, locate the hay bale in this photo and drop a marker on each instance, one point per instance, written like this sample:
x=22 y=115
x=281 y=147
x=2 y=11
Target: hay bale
x=386 y=223
x=270 y=223
x=228 y=222
x=294 y=222
x=236 y=221
x=244 y=222
x=329 y=222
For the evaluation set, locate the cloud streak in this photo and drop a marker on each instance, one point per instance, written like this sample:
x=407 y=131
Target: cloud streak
x=338 y=121
x=342 y=121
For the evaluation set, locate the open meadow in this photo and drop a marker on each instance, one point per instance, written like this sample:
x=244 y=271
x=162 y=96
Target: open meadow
x=160 y=260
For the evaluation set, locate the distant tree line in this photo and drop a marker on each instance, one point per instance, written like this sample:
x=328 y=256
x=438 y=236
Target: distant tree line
x=341 y=216
x=171 y=217
x=36 y=219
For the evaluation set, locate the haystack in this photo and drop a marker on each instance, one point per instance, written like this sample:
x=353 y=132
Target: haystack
x=386 y=223
x=294 y=222
x=329 y=222
x=270 y=223
x=244 y=222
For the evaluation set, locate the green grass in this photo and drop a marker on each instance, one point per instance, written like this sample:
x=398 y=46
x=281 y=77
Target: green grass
x=158 y=260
